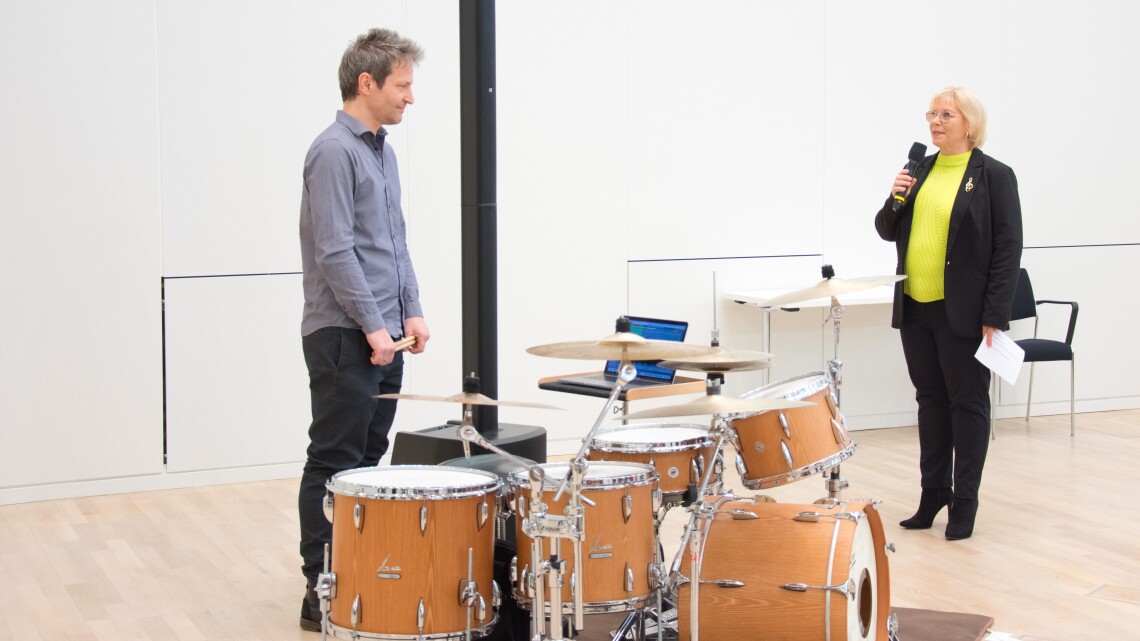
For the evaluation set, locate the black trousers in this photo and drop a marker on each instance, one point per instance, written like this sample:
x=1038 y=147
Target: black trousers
x=349 y=428
x=952 y=390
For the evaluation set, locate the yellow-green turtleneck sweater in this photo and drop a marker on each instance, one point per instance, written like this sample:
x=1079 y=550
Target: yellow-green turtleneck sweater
x=926 y=250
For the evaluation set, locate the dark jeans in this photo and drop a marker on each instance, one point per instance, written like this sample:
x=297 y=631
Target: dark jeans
x=952 y=390
x=349 y=428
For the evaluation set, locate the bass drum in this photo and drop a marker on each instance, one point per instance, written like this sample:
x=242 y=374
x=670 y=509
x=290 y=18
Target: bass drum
x=793 y=573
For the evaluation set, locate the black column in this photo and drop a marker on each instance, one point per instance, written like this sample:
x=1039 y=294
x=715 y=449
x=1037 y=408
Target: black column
x=479 y=229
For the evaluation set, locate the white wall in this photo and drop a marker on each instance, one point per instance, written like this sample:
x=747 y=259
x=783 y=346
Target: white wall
x=643 y=147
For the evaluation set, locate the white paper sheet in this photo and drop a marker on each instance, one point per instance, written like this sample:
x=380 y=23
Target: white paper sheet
x=1004 y=358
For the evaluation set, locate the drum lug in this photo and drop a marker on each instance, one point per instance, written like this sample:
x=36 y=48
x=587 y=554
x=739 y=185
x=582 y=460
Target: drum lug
x=787 y=456
x=328 y=506
x=629 y=584
x=656 y=575
x=784 y=424
x=627 y=506
x=358 y=516
x=725 y=583
x=354 y=614
x=840 y=433
x=326 y=585
x=484 y=512
x=743 y=515
x=696 y=469
x=421 y=616
x=423 y=519
x=522 y=504
x=893 y=626
x=847 y=589
x=890 y=547
x=481 y=608
x=658 y=498
x=741 y=466
x=496 y=595
x=514 y=571
x=468 y=591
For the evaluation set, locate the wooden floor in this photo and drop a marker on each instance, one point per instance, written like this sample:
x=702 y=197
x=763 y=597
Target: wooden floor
x=1055 y=556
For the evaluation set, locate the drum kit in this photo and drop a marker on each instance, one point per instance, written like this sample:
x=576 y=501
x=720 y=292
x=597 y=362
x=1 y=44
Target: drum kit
x=412 y=554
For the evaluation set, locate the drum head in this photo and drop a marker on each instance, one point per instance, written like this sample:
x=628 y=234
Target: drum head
x=795 y=389
x=413 y=482
x=657 y=437
x=599 y=474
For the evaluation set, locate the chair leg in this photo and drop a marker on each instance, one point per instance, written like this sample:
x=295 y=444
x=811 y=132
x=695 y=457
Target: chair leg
x=1073 y=396
x=1029 y=396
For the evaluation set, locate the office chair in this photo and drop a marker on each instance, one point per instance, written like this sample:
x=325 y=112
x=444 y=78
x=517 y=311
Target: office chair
x=1039 y=350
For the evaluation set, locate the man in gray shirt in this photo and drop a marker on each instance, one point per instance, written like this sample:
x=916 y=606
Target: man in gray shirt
x=361 y=292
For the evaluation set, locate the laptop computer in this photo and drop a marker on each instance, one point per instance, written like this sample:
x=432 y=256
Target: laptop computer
x=649 y=373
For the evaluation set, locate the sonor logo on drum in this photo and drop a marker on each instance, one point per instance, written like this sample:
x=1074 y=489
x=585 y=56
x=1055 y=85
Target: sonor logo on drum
x=388 y=572
x=600 y=551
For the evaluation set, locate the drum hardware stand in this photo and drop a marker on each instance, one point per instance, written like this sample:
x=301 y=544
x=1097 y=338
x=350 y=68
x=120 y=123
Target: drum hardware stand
x=326 y=591
x=549 y=574
x=700 y=520
x=833 y=483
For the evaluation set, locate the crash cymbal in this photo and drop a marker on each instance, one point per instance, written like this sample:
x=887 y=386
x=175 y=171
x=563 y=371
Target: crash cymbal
x=829 y=288
x=721 y=361
x=622 y=346
x=467 y=398
x=718 y=404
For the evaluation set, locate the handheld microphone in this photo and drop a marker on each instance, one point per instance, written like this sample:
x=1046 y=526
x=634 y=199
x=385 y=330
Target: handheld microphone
x=917 y=152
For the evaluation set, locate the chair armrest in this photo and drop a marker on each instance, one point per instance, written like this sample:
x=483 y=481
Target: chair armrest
x=1072 y=316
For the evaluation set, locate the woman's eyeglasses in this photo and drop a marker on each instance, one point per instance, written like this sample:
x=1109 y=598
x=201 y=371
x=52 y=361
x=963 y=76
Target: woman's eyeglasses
x=945 y=116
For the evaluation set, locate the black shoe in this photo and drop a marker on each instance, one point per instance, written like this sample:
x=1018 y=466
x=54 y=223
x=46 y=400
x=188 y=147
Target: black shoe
x=961 y=525
x=311 y=608
x=931 y=503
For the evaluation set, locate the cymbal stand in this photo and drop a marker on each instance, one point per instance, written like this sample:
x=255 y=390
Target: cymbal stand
x=549 y=574
x=700 y=520
x=834 y=483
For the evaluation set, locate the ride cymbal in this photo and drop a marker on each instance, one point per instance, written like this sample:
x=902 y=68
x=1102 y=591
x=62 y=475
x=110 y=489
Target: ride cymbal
x=721 y=361
x=718 y=404
x=828 y=288
x=621 y=346
x=467 y=398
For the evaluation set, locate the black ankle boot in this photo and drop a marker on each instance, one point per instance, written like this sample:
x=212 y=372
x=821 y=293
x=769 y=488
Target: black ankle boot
x=961 y=525
x=931 y=503
x=311 y=608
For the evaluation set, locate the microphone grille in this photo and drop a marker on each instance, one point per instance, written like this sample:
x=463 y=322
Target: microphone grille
x=917 y=151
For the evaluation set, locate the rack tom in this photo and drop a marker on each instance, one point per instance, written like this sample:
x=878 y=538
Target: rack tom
x=679 y=453
x=782 y=446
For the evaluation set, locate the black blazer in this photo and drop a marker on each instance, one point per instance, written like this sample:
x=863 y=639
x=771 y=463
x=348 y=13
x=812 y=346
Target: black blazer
x=983 y=248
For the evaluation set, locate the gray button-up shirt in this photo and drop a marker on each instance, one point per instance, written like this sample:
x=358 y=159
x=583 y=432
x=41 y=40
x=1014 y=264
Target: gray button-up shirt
x=354 y=251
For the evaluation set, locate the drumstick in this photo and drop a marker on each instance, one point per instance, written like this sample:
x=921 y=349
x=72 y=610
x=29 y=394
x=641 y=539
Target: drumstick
x=405 y=343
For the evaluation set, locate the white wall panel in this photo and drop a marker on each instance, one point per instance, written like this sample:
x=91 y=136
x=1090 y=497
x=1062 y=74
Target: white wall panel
x=563 y=197
x=244 y=89
x=82 y=379
x=1068 y=131
x=236 y=386
x=725 y=134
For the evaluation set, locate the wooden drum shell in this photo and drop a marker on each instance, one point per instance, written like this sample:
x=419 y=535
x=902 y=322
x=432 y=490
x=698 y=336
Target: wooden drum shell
x=391 y=565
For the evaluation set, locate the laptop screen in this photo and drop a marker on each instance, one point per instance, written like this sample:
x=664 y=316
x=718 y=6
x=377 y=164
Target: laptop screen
x=658 y=330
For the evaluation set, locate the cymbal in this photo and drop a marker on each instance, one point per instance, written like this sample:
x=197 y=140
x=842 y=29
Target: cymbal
x=468 y=398
x=828 y=288
x=623 y=346
x=718 y=404
x=721 y=361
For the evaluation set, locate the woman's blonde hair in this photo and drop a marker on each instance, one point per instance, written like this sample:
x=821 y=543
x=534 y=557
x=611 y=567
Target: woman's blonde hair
x=972 y=110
